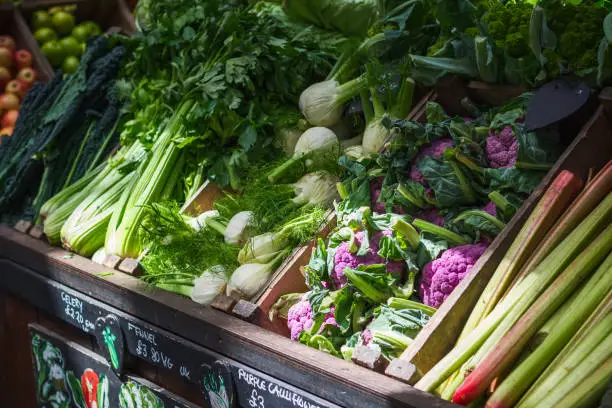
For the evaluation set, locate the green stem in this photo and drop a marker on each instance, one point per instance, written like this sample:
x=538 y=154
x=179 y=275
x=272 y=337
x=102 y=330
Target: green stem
x=416 y=201
x=479 y=213
x=500 y=201
x=78 y=156
x=293 y=166
x=216 y=225
x=465 y=185
x=401 y=304
x=349 y=89
x=379 y=108
x=366 y=105
x=533 y=166
x=405 y=98
x=407 y=231
x=449 y=236
x=107 y=140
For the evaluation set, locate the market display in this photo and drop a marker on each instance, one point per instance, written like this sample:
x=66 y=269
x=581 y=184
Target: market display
x=222 y=138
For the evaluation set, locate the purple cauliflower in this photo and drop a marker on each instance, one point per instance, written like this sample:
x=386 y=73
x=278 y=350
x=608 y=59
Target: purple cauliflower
x=502 y=148
x=378 y=206
x=366 y=337
x=375 y=190
x=442 y=275
x=433 y=150
x=490 y=208
x=299 y=318
x=431 y=215
x=344 y=258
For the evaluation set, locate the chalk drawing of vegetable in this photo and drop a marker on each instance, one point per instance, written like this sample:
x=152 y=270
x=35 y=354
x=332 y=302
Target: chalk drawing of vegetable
x=217 y=394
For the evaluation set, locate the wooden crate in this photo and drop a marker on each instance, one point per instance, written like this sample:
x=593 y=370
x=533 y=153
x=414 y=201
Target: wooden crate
x=12 y=23
x=109 y=14
x=589 y=151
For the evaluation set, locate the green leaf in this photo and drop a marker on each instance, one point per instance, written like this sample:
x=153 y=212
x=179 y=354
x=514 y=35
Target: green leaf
x=513 y=179
x=75 y=389
x=247 y=138
x=449 y=183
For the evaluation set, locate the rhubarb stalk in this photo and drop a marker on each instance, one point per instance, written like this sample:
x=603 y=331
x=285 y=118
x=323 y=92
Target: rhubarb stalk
x=511 y=345
x=555 y=200
x=523 y=295
x=589 y=392
x=587 y=368
x=592 y=195
x=590 y=334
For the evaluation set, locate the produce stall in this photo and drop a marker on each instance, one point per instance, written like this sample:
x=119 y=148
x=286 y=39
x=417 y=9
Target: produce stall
x=256 y=205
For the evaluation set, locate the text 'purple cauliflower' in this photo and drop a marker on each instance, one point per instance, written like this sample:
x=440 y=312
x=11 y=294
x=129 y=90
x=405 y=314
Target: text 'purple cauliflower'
x=442 y=275
x=502 y=148
x=300 y=318
x=434 y=150
x=344 y=258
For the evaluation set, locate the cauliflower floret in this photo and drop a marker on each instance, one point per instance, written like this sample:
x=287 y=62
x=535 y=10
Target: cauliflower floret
x=431 y=215
x=502 y=148
x=442 y=275
x=433 y=150
x=299 y=318
x=344 y=258
x=490 y=208
x=366 y=337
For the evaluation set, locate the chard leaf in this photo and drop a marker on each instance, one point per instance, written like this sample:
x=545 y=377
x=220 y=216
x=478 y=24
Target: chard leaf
x=513 y=179
x=537 y=150
x=450 y=185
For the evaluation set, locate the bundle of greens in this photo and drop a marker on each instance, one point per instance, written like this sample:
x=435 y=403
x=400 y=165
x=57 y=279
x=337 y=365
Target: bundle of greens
x=65 y=128
x=223 y=109
x=521 y=44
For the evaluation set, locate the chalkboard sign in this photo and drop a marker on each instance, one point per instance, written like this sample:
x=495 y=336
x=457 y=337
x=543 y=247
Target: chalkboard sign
x=243 y=386
x=257 y=390
x=140 y=339
x=70 y=375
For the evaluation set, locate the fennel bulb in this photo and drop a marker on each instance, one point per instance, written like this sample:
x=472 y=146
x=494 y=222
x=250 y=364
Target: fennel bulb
x=354 y=152
x=250 y=278
x=207 y=286
x=315 y=149
x=262 y=245
x=239 y=228
x=199 y=222
x=355 y=141
x=287 y=139
x=322 y=103
x=374 y=137
x=317 y=188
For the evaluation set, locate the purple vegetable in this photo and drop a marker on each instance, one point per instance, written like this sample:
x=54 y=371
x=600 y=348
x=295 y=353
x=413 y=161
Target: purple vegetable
x=431 y=215
x=490 y=208
x=433 y=150
x=344 y=258
x=379 y=207
x=502 y=148
x=442 y=275
x=300 y=318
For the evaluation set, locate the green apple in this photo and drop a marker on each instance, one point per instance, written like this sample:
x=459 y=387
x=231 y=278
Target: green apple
x=63 y=22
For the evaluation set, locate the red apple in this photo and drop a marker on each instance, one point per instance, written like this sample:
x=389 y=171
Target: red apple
x=10 y=118
x=5 y=77
x=16 y=88
x=6 y=57
x=23 y=59
x=7 y=42
x=27 y=76
x=6 y=131
x=9 y=102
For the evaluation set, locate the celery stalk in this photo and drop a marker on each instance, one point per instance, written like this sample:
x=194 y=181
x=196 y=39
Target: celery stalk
x=522 y=295
x=590 y=334
x=122 y=237
x=556 y=198
x=587 y=368
x=509 y=348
